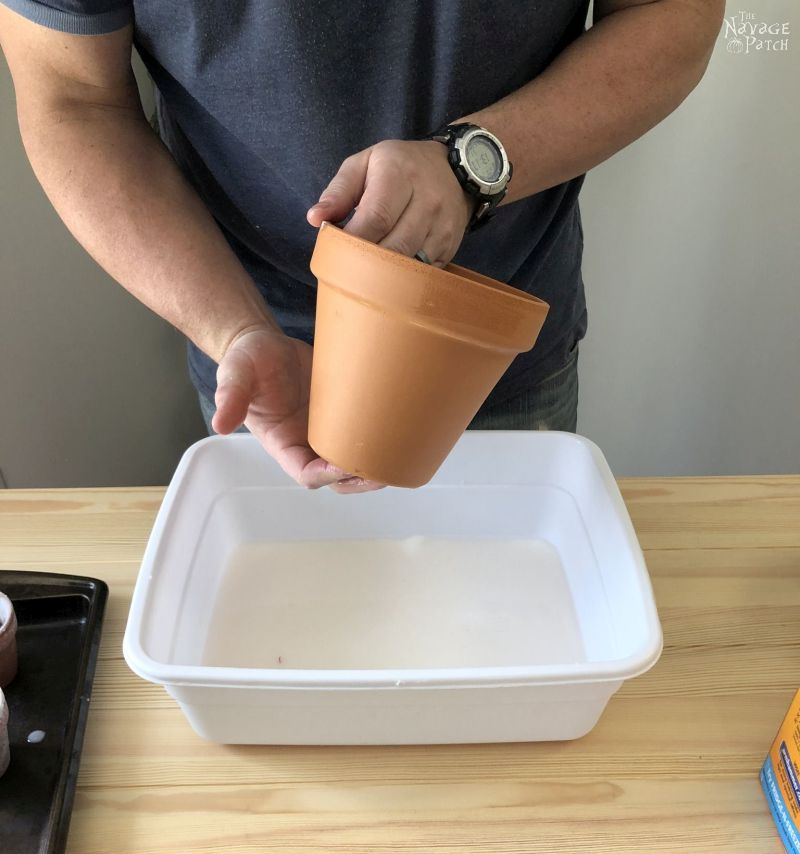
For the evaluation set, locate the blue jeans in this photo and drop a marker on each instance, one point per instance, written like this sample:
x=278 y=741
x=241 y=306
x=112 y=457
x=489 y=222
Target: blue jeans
x=550 y=405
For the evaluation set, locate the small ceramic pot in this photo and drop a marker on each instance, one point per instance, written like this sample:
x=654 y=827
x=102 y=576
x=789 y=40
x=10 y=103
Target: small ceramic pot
x=5 y=752
x=8 y=641
x=404 y=356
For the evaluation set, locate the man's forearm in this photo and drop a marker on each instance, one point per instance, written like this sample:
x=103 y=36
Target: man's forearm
x=121 y=194
x=613 y=84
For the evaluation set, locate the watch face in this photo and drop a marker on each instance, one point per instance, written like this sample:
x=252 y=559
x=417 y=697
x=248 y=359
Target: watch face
x=485 y=159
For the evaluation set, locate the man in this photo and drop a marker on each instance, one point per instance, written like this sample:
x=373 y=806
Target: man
x=277 y=115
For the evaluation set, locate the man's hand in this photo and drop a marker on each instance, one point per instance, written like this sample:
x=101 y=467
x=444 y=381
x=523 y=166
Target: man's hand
x=405 y=197
x=263 y=381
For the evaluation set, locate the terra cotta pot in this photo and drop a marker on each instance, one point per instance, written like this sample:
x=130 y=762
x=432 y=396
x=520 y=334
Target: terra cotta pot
x=404 y=356
x=8 y=641
x=5 y=753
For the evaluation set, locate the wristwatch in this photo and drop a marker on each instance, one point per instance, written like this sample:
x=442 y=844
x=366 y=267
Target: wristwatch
x=480 y=164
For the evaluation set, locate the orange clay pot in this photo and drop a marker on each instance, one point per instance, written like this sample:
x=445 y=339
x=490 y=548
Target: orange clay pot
x=5 y=753
x=8 y=641
x=404 y=356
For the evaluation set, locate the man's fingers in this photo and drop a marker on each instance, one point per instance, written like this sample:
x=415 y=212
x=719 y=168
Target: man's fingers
x=231 y=406
x=409 y=233
x=343 y=193
x=353 y=485
x=300 y=462
x=387 y=193
x=403 y=196
x=303 y=465
x=235 y=378
x=439 y=247
x=316 y=473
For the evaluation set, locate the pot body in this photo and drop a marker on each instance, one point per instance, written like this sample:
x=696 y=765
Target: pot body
x=5 y=752
x=8 y=641
x=404 y=356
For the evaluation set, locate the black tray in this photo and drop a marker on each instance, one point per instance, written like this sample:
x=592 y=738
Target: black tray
x=60 y=618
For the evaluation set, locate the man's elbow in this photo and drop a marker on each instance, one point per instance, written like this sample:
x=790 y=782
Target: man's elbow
x=693 y=24
x=691 y=28
x=42 y=107
x=708 y=16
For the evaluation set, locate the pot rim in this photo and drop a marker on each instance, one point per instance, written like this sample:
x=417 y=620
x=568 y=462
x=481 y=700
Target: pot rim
x=8 y=619
x=452 y=275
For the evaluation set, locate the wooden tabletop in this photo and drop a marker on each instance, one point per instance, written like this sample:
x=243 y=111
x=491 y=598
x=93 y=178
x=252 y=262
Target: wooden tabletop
x=672 y=766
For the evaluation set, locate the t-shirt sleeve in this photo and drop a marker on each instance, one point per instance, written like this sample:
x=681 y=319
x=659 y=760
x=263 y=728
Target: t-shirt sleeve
x=80 y=17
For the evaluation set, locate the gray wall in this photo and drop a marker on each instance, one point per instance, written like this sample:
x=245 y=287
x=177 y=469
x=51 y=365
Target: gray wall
x=691 y=364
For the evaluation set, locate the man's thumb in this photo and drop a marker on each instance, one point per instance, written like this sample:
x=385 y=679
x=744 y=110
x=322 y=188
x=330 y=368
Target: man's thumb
x=343 y=193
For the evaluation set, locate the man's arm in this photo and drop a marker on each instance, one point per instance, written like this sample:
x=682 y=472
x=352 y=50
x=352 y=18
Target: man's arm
x=621 y=78
x=615 y=82
x=121 y=194
x=117 y=188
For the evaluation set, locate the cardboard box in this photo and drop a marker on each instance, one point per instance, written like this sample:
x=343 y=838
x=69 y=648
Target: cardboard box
x=780 y=778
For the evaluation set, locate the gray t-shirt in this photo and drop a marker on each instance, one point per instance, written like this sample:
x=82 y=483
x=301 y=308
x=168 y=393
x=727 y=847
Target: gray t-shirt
x=261 y=100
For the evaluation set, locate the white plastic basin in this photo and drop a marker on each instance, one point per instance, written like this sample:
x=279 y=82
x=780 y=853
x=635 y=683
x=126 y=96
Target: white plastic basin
x=505 y=601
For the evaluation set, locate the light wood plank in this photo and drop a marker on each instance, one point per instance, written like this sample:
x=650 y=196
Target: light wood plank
x=672 y=764
x=695 y=513
x=519 y=817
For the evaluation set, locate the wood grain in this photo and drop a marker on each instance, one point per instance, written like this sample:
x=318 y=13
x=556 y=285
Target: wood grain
x=671 y=766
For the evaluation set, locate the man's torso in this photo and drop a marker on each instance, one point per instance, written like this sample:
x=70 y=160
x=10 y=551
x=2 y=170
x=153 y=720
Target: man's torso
x=261 y=101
